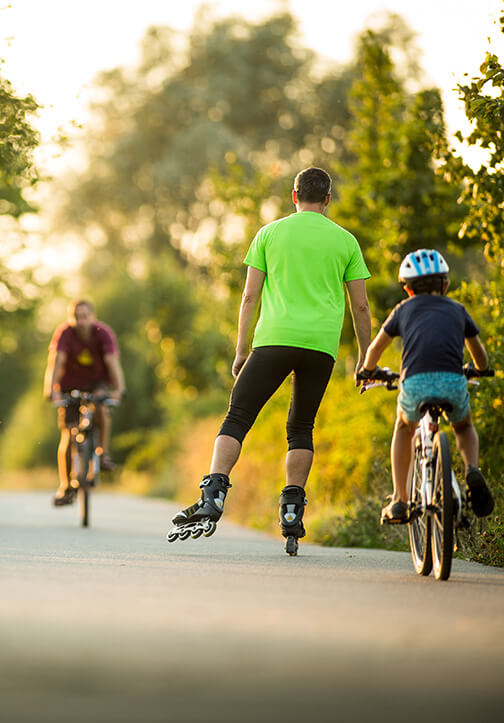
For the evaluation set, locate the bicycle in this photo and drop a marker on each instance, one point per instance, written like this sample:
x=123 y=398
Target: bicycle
x=437 y=508
x=84 y=452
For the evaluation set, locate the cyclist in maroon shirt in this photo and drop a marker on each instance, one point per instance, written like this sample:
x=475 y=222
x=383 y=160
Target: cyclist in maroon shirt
x=84 y=355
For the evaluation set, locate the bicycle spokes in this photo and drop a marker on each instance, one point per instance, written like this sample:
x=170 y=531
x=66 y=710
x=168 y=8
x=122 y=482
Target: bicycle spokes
x=419 y=521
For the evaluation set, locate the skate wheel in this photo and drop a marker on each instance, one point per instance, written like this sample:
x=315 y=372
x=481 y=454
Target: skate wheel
x=291 y=546
x=184 y=534
x=211 y=527
x=196 y=533
x=172 y=536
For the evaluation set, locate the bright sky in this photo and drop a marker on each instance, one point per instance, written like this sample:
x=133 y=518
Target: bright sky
x=54 y=48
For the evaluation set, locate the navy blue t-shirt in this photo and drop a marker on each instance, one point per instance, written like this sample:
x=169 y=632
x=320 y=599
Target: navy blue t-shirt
x=433 y=329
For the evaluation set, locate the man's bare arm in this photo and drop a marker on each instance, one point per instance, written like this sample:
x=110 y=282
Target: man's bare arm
x=361 y=318
x=116 y=374
x=55 y=370
x=248 y=309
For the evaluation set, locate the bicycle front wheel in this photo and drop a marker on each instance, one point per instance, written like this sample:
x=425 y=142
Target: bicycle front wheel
x=85 y=453
x=84 y=505
x=419 y=527
x=442 y=508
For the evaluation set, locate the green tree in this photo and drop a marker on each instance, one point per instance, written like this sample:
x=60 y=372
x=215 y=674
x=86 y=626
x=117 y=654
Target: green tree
x=19 y=290
x=164 y=149
x=482 y=197
x=390 y=196
x=239 y=90
x=18 y=139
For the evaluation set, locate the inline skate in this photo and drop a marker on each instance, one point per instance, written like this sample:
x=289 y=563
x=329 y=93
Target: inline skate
x=292 y=504
x=202 y=517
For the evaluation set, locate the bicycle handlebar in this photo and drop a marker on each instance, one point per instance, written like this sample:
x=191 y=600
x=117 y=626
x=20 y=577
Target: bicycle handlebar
x=384 y=377
x=379 y=377
x=471 y=372
x=76 y=396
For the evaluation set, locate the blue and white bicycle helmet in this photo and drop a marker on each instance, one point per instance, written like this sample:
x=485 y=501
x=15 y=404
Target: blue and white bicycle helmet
x=422 y=262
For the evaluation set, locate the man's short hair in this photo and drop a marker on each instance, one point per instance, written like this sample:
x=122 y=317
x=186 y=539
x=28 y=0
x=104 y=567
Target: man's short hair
x=312 y=185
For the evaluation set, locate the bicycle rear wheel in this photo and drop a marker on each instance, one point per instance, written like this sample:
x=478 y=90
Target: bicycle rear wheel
x=442 y=511
x=419 y=527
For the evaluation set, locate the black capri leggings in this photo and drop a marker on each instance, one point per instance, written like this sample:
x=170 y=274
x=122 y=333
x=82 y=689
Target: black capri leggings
x=262 y=374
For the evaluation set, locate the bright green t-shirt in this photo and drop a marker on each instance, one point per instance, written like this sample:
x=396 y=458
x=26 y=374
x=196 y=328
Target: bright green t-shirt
x=306 y=259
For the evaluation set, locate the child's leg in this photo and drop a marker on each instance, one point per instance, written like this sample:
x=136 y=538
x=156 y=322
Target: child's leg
x=480 y=496
x=467 y=440
x=400 y=456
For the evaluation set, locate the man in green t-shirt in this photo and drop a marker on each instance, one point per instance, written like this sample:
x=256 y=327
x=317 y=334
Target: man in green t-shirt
x=298 y=267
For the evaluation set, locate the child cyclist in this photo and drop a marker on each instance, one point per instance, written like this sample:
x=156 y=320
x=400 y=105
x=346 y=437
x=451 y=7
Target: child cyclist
x=434 y=330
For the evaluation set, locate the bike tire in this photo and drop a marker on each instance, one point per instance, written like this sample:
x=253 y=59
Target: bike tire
x=419 y=528
x=85 y=453
x=84 y=505
x=95 y=466
x=442 y=508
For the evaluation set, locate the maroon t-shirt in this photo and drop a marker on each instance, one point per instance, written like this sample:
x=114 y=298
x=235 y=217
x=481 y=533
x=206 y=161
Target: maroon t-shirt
x=85 y=366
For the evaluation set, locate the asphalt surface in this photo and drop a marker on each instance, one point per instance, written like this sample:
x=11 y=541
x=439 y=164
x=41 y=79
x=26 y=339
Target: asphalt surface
x=112 y=623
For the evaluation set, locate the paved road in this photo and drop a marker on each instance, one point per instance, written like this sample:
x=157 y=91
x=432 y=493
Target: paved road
x=114 y=624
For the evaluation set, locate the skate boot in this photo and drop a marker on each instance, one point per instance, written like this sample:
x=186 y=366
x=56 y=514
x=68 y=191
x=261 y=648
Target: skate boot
x=292 y=504
x=201 y=518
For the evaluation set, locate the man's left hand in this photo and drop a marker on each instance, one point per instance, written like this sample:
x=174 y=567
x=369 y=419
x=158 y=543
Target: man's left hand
x=238 y=362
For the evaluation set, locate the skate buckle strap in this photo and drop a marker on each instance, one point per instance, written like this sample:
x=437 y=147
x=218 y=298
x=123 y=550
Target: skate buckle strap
x=215 y=476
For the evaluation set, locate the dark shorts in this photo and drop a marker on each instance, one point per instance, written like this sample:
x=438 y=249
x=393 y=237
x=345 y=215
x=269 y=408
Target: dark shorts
x=263 y=372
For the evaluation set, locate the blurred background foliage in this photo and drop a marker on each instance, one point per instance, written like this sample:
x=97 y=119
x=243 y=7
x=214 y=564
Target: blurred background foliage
x=185 y=157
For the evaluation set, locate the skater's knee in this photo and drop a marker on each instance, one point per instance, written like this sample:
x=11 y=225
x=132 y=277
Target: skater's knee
x=300 y=435
x=237 y=423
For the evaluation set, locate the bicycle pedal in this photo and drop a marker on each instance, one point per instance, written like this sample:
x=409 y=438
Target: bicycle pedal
x=388 y=521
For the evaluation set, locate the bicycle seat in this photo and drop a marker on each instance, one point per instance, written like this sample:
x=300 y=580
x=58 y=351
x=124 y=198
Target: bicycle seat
x=436 y=405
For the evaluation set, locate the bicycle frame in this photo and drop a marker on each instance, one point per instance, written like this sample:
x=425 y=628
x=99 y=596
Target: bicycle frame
x=84 y=451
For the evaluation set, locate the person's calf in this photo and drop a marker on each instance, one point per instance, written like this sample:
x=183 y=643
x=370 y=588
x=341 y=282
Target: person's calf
x=400 y=456
x=467 y=441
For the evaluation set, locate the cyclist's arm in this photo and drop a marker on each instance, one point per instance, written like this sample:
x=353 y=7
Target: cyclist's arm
x=49 y=373
x=376 y=349
x=361 y=318
x=54 y=373
x=116 y=374
x=248 y=309
x=477 y=352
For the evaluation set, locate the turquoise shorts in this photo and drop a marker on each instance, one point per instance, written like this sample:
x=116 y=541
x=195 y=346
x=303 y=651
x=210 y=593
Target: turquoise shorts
x=439 y=385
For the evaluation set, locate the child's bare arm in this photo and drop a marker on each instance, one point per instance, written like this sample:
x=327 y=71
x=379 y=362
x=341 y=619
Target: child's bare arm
x=376 y=349
x=477 y=352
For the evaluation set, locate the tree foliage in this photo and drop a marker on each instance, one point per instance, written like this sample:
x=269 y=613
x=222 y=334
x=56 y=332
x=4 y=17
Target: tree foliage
x=483 y=188
x=192 y=151
x=238 y=91
x=482 y=195
x=390 y=196
x=18 y=139
x=19 y=290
